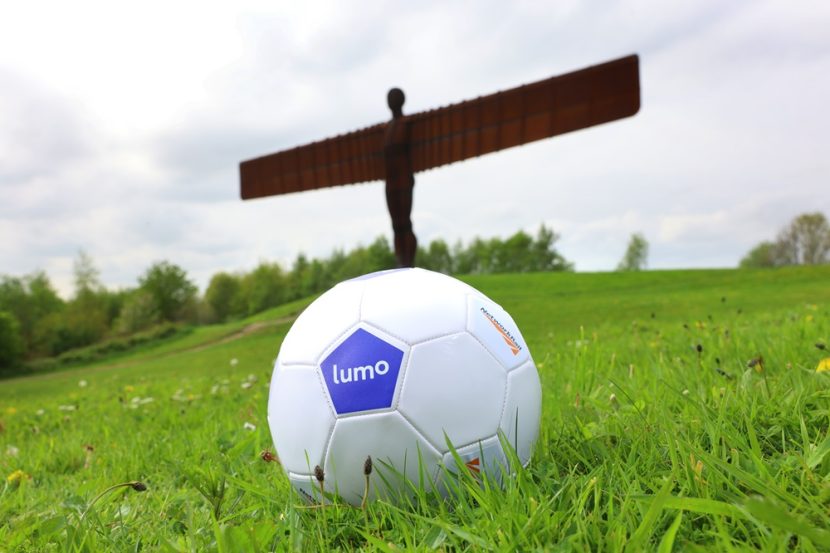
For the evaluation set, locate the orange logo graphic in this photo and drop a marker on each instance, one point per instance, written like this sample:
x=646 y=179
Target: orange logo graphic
x=473 y=465
x=511 y=343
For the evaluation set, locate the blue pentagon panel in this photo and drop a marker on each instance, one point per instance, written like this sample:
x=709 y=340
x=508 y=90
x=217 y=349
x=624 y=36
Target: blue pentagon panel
x=361 y=373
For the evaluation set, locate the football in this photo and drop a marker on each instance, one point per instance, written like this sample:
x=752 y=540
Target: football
x=412 y=368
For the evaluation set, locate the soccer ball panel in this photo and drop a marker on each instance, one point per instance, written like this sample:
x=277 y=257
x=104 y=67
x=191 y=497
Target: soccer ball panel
x=487 y=321
x=522 y=410
x=453 y=387
x=299 y=417
x=390 y=440
x=322 y=322
x=362 y=372
x=405 y=304
x=484 y=457
x=306 y=487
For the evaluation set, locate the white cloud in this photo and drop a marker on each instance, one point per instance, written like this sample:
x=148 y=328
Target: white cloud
x=124 y=125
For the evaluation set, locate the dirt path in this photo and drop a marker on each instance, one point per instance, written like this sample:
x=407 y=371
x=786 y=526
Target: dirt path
x=233 y=336
x=245 y=331
x=250 y=329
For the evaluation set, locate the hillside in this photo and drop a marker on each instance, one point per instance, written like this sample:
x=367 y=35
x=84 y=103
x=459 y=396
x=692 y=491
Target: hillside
x=680 y=407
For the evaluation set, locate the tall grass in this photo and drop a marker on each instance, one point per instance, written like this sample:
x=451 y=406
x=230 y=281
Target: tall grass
x=682 y=410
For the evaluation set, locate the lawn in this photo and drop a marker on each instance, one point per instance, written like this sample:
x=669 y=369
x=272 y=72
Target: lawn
x=681 y=410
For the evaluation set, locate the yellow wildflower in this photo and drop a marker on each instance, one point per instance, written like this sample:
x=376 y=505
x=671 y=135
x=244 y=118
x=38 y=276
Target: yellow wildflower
x=11 y=410
x=17 y=477
x=823 y=365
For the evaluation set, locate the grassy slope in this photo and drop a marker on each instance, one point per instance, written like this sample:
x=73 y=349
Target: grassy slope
x=748 y=447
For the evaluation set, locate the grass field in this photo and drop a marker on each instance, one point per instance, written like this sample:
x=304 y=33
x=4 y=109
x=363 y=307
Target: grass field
x=656 y=433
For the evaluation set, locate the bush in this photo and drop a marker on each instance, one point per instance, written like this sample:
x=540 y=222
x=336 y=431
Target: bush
x=107 y=348
x=173 y=293
x=139 y=312
x=11 y=343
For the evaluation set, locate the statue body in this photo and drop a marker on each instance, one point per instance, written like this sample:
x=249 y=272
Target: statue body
x=400 y=180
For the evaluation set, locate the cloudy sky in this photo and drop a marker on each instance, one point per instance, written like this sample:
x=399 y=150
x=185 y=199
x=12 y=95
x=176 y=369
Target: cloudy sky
x=122 y=126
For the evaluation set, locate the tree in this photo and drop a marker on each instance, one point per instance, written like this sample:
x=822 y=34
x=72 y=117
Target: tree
x=86 y=275
x=636 y=254
x=514 y=255
x=436 y=257
x=11 y=343
x=138 y=313
x=380 y=255
x=545 y=257
x=87 y=318
x=263 y=287
x=762 y=255
x=805 y=241
x=30 y=300
x=224 y=296
x=172 y=292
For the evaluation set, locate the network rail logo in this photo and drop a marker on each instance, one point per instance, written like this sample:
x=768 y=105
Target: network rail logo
x=508 y=338
x=361 y=373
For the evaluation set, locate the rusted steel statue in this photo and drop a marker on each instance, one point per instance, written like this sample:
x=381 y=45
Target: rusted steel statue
x=394 y=151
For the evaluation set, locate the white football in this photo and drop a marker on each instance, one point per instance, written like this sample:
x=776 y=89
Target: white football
x=396 y=365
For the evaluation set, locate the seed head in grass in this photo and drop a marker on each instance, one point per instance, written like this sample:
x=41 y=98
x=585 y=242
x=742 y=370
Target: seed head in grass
x=723 y=373
x=88 y=451
x=138 y=486
x=367 y=471
x=135 y=485
x=321 y=477
x=756 y=363
x=697 y=469
x=268 y=457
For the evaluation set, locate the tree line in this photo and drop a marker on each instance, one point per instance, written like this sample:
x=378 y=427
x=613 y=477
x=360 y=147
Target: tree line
x=804 y=241
x=36 y=323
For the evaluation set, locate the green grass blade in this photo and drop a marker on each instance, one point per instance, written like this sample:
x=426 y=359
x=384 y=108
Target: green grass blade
x=644 y=530
x=774 y=516
x=667 y=542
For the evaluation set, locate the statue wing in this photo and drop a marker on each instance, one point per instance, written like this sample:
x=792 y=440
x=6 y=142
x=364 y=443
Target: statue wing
x=345 y=159
x=557 y=105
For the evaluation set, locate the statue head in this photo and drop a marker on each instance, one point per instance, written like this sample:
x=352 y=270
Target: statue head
x=395 y=98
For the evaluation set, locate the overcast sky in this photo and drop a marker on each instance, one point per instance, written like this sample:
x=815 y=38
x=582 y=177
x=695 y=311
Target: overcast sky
x=122 y=126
